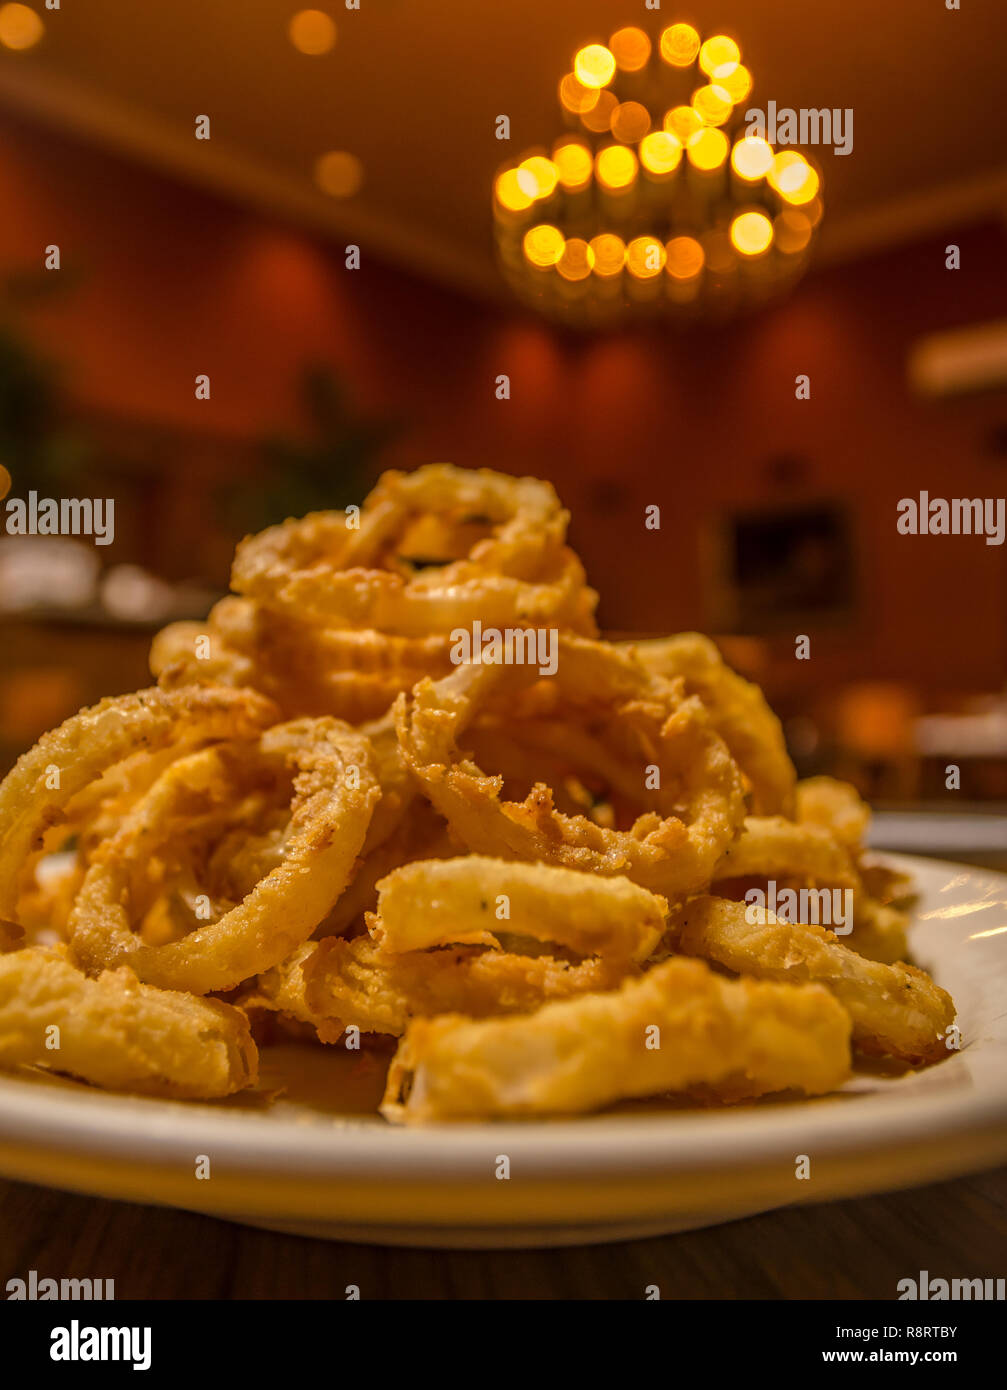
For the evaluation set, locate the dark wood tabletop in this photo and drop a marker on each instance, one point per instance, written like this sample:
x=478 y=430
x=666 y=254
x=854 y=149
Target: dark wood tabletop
x=853 y=1249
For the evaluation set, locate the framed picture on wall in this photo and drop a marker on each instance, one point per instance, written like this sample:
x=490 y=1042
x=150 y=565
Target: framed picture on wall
x=780 y=567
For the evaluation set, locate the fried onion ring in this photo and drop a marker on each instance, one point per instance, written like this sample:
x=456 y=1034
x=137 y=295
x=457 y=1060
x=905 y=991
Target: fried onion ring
x=330 y=813
x=336 y=984
x=772 y=847
x=897 y=1010
x=665 y=850
x=118 y=1033
x=307 y=669
x=96 y=739
x=455 y=902
x=583 y=1053
x=321 y=568
x=738 y=711
x=836 y=806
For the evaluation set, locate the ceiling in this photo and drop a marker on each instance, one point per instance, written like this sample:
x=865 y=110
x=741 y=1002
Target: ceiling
x=413 y=88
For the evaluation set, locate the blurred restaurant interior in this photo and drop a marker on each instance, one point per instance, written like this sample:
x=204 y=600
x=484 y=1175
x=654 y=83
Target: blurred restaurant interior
x=182 y=257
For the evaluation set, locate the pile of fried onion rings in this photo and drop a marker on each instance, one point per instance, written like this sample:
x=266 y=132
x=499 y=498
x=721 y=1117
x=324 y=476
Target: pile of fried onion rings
x=523 y=882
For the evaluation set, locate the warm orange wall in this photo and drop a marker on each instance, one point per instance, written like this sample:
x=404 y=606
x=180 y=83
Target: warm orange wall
x=176 y=282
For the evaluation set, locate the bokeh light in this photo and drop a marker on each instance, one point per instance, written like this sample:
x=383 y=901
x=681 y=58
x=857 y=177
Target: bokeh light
x=679 y=45
x=684 y=257
x=339 y=174
x=616 y=167
x=609 y=253
x=736 y=81
x=628 y=234
x=683 y=122
x=752 y=157
x=543 y=245
x=515 y=190
x=645 y=257
x=594 y=65
x=574 y=96
x=751 y=233
x=707 y=149
x=660 y=152
x=577 y=260
x=20 y=27
x=630 y=48
x=793 y=177
x=718 y=56
x=574 y=164
x=543 y=173
x=599 y=117
x=792 y=230
x=630 y=121
x=6 y=482
x=312 y=32
x=713 y=104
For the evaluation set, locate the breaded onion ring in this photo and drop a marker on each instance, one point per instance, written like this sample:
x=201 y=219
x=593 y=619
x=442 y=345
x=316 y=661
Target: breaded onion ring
x=97 y=738
x=321 y=569
x=306 y=668
x=738 y=711
x=454 y=902
x=584 y=1053
x=672 y=849
x=336 y=984
x=836 y=806
x=335 y=791
x=118 y=1033
x=772 y=847
x=897 y=1010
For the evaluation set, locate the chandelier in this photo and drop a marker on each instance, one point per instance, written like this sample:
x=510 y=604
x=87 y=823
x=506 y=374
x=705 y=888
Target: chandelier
x=660 y=199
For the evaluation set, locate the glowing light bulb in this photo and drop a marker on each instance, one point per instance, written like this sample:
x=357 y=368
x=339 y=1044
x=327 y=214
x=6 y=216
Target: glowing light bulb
x=684 y=257
x=736 y=81
x=542 y=172
x=683 y=122
x=516 y=190
x=599 y=117
x=312 y=32
x=719 y=54
x=577 y=260
x=616 y=167
x=793 y=177
x=543 y=245
x=751 y=233
x=752 y=157
x=630 y=48
x=713 y=104
x=575 y=96
x=645 y=257
x=20 y=27
x=594 y=65
x=630 y=121
x=707 y=149
x=679 y=45
x=660 y=152
x=574 y=164
x=609 y=253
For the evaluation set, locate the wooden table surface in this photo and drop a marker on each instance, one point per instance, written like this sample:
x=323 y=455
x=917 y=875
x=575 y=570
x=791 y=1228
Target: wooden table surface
x=852 y=1249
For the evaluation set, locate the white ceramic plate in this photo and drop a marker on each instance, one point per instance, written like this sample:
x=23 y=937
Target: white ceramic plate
x=290 y=1164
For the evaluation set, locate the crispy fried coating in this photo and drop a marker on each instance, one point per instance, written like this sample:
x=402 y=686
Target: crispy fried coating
x=897 y=1010
x=678 y=1026
x=471 y=900
x=118 y=1033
